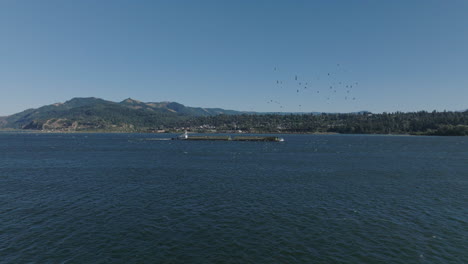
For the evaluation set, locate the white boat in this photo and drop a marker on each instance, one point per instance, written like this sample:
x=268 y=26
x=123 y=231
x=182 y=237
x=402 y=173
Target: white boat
x=183 y=136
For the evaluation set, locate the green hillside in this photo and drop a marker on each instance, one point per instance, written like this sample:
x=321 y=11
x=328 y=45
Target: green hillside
x=94 y=113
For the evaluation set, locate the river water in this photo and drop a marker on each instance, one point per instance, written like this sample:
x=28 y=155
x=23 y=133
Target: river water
x=120 y=198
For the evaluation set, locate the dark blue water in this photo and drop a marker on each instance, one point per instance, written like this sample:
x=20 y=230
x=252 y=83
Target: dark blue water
x=116 y=198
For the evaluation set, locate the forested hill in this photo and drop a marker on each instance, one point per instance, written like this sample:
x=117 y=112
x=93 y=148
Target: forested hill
x=94 y=114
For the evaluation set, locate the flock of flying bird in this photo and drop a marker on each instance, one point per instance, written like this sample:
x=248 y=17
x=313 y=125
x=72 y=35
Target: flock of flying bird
x=334 y=88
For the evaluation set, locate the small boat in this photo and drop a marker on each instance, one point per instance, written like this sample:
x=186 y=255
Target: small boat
x=183 y=136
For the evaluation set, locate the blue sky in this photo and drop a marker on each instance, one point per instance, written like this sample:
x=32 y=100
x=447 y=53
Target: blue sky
x=398 y=55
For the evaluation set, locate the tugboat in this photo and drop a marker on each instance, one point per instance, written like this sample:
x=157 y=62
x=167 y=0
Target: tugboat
x=183 y=136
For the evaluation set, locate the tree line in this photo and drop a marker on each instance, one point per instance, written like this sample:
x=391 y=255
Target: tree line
x=422 y=123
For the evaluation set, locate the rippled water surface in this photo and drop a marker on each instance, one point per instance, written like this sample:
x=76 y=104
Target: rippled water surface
x=118 y=198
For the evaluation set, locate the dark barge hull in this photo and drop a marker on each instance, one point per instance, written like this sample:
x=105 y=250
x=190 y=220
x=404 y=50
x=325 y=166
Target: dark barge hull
x=229 y=138
x=271 y=139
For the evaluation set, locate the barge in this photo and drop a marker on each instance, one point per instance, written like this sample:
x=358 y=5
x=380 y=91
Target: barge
x=185 y=136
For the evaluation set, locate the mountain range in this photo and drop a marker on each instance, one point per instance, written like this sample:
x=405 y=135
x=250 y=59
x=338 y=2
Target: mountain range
x=91 y=113
x=96 y=113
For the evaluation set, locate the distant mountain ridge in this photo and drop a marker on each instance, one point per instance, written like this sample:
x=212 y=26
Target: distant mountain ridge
x=96 y=113
x=177 y=108
x=91 y=112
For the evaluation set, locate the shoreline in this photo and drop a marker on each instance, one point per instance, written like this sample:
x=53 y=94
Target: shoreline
x=198 y=132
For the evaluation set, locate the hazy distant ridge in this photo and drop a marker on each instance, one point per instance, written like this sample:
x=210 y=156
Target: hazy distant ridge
x=95 y=112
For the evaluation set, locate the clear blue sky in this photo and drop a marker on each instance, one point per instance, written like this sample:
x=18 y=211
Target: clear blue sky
x=404 y=55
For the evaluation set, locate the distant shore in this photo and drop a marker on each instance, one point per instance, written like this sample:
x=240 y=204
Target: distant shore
x=27 y=131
